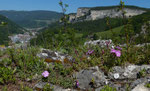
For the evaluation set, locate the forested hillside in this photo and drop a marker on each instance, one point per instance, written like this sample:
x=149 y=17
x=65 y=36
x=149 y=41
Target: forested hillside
x=87 y=28
x=8 y=29
x=32 y=19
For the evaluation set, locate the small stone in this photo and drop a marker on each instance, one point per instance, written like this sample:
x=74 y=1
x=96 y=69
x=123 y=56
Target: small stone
x=89 y=58
x=39 y=86
x=141 y=87
x=116 y=75
x=148 y=71
x=100 y=43
x=44 y=54
x=28 y=79
x=106 y=82
x=148 y=79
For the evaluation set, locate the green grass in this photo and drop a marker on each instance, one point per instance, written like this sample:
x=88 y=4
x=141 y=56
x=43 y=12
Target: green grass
x=108 y=34
x=105 y=34
x=78 y=35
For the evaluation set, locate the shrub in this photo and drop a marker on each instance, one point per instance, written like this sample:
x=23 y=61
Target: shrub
x=61 y=75
x=27 y=63
x=47 y=87
x=6 y=75
x=147 y=85
x=25 y=88
x=108 y=88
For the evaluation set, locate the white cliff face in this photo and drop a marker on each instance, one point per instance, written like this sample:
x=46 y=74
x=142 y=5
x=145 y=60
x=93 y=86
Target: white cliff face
x=72 y=17
x=133 y=12
x=99 y=14
x=82 y=12
x=113 y=13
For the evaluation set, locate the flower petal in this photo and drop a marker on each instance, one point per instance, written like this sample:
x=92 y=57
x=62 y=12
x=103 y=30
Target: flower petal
x=112 y=51
x=118 y=53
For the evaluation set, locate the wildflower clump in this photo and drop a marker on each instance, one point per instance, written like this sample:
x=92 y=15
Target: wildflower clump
x=116 y=52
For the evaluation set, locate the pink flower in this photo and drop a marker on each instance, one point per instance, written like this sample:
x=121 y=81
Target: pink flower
x=103 y=52
x=119 y=48
x=76 y=52
x=117 y=52
x=89 y=52
x=77 y=84
x=45 y=74
x=112 y=51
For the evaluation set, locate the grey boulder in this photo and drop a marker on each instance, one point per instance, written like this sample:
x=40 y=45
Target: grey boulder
x=85 y=77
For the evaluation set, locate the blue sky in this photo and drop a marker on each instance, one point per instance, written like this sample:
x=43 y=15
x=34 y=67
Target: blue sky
x=73 y=4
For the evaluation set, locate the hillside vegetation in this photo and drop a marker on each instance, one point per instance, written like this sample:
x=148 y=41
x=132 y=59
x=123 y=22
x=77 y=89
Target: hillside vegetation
x=32 y=19
x=108 y=34
x=100 y=28
x=8 y=29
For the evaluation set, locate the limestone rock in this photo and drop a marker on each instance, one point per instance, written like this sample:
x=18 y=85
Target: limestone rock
x=85 y=77
x=141 y=87
x=100 y=43
x=129 y=72
x=54 y=56
x=41 y=85
x=42 y=55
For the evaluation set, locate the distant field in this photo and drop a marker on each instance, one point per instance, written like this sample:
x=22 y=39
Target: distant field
x=107 y=34
x=78 y=35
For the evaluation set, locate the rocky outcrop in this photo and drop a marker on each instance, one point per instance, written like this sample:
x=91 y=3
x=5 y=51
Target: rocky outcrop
x=129 y=72
x=82 y=12
x=119 y=78
x=39 y=86
x=53 y=56
x=141 y=87
x=100 y=43
x=91 y=14
x=72 y=17
x=145 y=27
x=90 y=78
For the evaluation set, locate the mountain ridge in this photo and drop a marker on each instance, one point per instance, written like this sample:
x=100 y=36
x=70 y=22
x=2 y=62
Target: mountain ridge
x=32 y=19
x=113 y=6
x=94 y=13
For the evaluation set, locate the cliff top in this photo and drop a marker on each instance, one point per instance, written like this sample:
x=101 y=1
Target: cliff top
x=112 y=7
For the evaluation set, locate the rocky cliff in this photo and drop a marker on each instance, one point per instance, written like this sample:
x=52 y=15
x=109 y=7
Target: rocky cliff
x=102 y=12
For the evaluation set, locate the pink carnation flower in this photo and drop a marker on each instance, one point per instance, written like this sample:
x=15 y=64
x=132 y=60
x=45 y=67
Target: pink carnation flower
x=117 y=52
x=103 y=52
x=112 y=51
x=45 y=74
x=89 y=52
x=77 y=84
x=119 y=48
